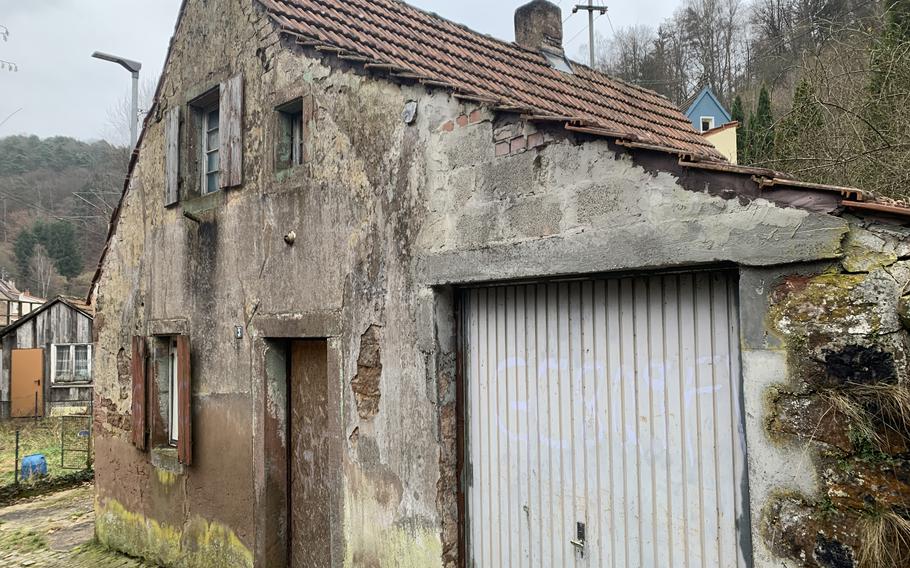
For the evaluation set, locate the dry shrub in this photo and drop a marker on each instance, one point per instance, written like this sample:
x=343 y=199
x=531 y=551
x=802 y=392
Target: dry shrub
x=884 y=540
x=871 y=407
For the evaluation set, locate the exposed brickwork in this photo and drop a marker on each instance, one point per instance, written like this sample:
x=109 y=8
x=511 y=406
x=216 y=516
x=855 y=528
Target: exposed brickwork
x=518 y=144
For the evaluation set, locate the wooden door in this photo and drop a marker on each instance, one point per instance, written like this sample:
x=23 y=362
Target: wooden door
x=309 y=463
x=27 y=383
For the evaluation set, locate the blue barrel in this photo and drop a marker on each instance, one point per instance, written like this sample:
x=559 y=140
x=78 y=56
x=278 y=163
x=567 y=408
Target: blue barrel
x=33 y=465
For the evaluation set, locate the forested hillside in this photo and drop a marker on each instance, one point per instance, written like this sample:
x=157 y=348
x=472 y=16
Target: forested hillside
x=56 y=198
x=821 y=87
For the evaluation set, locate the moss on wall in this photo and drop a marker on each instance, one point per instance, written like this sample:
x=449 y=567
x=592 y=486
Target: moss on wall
x=198 y=544
x=847 y=401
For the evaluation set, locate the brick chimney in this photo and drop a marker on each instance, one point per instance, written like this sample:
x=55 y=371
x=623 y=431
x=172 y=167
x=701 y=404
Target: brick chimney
x=538 y=26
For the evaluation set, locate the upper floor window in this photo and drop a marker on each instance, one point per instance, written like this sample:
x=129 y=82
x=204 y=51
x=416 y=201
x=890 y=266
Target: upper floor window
x=211 y=145
x=72 y=363
x=204 y=147
x=290 y=134
x=707 y=123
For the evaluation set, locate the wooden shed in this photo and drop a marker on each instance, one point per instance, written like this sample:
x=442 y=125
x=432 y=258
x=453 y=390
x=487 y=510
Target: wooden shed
x=46 y=361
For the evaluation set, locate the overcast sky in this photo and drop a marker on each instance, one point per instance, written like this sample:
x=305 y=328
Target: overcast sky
x=62 y=91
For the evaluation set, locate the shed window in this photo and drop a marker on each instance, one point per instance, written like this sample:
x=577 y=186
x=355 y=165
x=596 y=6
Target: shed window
x=290 y=134
x=72 y=363
x=211 y=144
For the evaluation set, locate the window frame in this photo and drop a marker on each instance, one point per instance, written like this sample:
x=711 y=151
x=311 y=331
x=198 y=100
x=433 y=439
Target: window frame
x=709 y=119
x=290 y=151
x=192 y=144
x=72 y=359
x=173 y=394
x=206 y=150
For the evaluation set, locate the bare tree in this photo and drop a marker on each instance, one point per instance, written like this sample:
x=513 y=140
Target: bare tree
x=8 y=65
x=43 y=272
x=714 y=31
x=626 y=54
x=118 y=116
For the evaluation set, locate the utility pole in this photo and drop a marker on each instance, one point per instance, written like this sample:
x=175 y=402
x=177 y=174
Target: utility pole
x=590 y=8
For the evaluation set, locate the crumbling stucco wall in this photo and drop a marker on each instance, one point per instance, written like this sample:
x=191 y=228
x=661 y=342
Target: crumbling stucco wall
x=389 y=216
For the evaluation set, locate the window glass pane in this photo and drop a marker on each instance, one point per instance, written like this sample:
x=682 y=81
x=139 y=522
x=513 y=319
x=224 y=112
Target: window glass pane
x=173 y=409
x=297 y=138
x=63 y=369
x=212 y=162
x=82 y=363
x=211 y=182
x=212 y=140
x=213 y=119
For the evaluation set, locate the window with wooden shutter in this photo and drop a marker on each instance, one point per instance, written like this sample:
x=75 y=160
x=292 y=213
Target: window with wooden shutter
x=172 y=156
x=184 y=402
x=138 y=371
x=231 y=106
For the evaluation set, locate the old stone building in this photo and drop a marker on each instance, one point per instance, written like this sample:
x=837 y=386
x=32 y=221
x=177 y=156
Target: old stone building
x=383 y=291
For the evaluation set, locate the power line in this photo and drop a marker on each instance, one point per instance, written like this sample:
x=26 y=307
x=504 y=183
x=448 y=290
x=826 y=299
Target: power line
x=581 y=32
x=590 y=8
x=11 y=115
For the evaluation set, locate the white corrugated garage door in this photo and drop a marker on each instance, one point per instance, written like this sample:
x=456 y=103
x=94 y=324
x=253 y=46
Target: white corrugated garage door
x=609 y=403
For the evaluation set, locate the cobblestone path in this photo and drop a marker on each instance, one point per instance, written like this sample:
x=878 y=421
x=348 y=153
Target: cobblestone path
x=55 y=531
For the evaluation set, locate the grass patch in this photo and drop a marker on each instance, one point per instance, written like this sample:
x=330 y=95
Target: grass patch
x=870 y=410
x=40 y=436
x=884 y=540
x=24 y=541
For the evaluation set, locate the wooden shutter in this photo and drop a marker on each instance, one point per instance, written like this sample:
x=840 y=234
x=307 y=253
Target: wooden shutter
x=172 y=156
x=138 y=370
x=231 y=117
x=184 y=401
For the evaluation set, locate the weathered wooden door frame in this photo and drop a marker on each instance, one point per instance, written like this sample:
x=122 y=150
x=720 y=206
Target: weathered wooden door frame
x=272 y=334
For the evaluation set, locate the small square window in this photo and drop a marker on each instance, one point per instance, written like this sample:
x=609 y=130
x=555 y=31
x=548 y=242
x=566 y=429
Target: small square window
x=707 y=123
x=290 y=150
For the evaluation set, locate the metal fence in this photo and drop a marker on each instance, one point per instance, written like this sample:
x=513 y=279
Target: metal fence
x=43 y=448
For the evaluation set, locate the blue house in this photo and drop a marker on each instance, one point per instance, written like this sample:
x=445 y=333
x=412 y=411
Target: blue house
x=705 y=111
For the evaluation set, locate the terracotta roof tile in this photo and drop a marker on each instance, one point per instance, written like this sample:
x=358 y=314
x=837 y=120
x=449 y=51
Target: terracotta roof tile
x=435 y=49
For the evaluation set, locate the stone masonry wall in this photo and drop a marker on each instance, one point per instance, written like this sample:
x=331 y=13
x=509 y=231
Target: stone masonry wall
x=845 y=405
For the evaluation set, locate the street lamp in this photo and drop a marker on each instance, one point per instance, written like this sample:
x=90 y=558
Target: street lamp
x=133 y=67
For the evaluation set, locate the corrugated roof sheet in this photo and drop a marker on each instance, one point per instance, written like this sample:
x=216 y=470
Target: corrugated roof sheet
x=434 y=49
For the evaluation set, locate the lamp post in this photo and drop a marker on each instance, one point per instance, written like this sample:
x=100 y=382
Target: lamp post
x=133 y=67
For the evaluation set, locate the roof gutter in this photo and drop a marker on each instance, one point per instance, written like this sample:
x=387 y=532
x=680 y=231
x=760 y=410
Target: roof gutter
x=848 y=192
x=877 y=208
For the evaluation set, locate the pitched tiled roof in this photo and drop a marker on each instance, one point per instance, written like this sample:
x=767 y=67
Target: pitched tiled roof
x=391 y=35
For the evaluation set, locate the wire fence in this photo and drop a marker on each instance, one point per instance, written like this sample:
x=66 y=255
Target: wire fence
x=33 y=450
